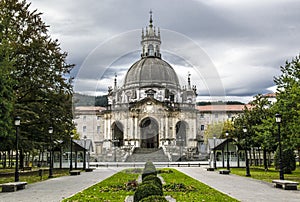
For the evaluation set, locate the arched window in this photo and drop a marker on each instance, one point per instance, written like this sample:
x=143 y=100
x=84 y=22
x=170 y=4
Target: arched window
x=150 y=50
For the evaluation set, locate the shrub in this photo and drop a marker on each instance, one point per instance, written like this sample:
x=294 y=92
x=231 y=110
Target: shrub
x=153 y=179
x=154 y=199
x=149 y=170
x=154 y=183
x=145 y=190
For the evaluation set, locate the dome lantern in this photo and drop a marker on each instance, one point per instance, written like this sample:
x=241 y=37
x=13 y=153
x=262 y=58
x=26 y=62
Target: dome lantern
x=151 y=41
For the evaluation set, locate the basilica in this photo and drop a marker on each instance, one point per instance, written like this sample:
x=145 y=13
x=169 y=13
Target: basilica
x=151 y=110
x=151 y=116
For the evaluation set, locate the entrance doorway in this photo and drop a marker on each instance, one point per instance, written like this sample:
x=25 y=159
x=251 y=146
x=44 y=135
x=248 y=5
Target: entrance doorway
x=181 y=127
x=117 y=134
x=149 y=133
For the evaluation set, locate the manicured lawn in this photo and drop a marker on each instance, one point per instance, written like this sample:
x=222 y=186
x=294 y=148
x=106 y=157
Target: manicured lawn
x=267 y=176
x=112 y=189
x=178 y=185
x=33 y=177
x=184 y=188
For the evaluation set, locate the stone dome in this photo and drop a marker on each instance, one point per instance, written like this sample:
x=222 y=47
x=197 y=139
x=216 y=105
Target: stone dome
x=151 y=72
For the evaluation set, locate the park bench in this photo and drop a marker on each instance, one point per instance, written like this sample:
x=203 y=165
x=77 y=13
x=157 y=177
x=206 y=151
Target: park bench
x=285 y=184
x=210 y=169
x=13 y=186
x=89 y=169
x=224 y=172
x=27 y=168
x=75 y=172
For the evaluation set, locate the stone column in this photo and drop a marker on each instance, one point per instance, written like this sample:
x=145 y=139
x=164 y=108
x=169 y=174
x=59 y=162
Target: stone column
x=137 y=135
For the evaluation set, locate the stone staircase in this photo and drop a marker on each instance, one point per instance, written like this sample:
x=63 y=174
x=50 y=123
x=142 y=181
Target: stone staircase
x=147 y=154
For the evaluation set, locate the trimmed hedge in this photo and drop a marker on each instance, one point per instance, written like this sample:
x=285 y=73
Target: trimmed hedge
x=153 y=179
x=149 y=170
x=145 y=190
x=154 y=199
x=151 y=186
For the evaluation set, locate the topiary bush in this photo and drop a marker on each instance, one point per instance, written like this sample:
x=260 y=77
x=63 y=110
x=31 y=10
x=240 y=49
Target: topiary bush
x=154 y=199
x=153 y=179
x=149 y=170
x=145 y=190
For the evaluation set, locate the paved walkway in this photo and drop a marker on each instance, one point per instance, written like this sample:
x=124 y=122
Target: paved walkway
x=56 y=189
x=242 y=188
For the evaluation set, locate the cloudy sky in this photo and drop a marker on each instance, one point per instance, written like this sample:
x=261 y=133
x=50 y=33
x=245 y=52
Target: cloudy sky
x=232 y=48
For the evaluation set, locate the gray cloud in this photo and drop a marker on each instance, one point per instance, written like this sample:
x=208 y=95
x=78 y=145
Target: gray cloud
x=246 y=41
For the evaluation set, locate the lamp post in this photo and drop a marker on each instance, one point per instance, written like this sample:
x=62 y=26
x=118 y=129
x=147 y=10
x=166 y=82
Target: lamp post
x=278 y=121
x=246 y=152
x=84 y=154
x=215 y=160
x=228 y=166
x=51 y=153
x=114 y=141
x=17 y=124
x=180 y=142
x=71 y=145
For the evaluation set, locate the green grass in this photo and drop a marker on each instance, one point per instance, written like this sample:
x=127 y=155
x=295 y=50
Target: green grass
x=111 y=189
x=184 y=188
x=34 y=177
x=260 y=174
x=178 y=185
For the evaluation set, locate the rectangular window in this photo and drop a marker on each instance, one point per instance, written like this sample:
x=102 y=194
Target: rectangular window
x=202 y=127
x=98 y=129
x=84 y=129
x=84 y=118
x=98 y=117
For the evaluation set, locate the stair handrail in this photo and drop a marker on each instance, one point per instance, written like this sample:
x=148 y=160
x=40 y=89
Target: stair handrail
x=166 y=152
x=131 y=150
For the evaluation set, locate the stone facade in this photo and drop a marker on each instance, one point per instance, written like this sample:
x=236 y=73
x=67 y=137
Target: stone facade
x=150 y=110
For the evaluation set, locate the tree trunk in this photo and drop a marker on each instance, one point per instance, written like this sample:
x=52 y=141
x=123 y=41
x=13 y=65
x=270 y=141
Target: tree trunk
x=10 y=159
x=250 y=157
x=5 y=158
x=299 y=156
x=265 y=159
x=21 y=165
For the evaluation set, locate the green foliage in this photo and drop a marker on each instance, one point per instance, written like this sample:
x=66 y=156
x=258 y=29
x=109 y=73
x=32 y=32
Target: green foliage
x=88 y=100
x=149 y=169
x=154 y=199
x=151 y=184
x=184 y=188
x=6 y=96
x=218 y=129
x=288 y=160
x=178 y=187
x=195 y=190
x=152 y=179
x=111 y=189
x=145 y=190
x=38 y=76
x=288 y=102
x=260 y=173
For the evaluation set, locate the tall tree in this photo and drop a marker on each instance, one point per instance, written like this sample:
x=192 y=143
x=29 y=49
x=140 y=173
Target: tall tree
x=288 y=103
x=6 y=95
x=218 y=130
x=256 y=118
x=41 y=85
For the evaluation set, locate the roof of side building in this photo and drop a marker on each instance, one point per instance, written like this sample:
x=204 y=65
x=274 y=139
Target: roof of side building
x=232 y=108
